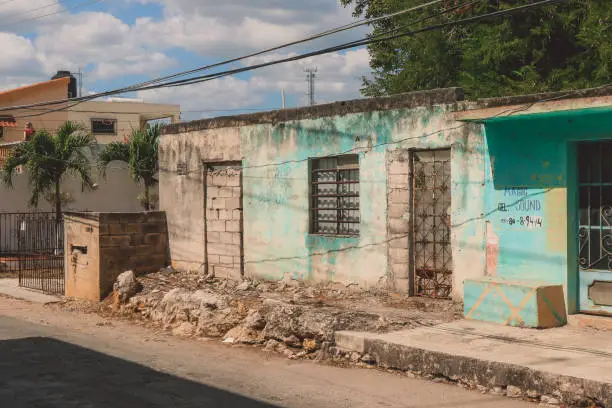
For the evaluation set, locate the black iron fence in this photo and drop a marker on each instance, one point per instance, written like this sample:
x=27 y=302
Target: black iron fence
x=32 y=248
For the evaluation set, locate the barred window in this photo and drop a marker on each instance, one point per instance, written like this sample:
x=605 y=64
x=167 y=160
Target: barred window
x=335 y=195
x=103 y=126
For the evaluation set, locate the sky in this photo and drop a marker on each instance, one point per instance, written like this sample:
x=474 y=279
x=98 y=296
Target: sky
x=121 y=42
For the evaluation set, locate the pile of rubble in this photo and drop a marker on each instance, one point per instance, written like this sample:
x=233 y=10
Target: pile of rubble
x=287 y=316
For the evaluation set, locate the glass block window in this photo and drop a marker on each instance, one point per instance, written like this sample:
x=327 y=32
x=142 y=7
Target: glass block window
x=334 y=205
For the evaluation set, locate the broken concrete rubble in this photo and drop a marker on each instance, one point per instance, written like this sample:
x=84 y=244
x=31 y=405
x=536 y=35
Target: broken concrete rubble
x=125 y=287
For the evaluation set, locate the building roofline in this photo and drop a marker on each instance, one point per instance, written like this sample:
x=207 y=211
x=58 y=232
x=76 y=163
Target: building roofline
x=25 y=87
x=400 y=101
x=605 y=90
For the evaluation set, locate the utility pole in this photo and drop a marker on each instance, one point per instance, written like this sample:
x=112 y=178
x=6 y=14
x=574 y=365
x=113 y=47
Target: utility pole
x=310 y=77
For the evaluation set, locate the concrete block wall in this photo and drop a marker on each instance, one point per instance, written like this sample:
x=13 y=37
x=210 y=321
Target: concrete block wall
x=224 y=222
x=100 y=246
x=398 y=220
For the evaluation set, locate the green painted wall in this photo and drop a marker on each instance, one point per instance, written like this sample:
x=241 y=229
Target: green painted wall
x=532 y=173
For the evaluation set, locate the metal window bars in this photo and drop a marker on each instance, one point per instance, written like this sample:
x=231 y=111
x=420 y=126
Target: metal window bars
x=335 y=195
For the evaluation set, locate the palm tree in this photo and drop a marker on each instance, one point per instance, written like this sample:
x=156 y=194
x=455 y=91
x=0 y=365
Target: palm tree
x=139 y=151
x=49 y=158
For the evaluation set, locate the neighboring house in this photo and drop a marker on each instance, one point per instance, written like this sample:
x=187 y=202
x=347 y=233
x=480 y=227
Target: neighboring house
x=108 y=120
x=422 y=192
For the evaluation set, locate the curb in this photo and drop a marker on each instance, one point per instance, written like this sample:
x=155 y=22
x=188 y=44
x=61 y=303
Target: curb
x=569 y=390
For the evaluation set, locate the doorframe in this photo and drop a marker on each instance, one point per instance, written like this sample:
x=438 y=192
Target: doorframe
x=411 y=226
x=573 y=245
x=206 y=164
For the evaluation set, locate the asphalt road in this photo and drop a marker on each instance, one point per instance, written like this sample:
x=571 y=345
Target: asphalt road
x=50 y=358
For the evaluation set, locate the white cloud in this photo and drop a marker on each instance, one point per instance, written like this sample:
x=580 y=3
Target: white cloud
x=208 y=98
x=101 y=39
x=338 y=75
x=216 y=29
x=338 y=78
x=232 y=27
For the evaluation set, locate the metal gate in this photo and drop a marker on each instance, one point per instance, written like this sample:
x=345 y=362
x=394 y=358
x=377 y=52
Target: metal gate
x=32 y=248
x=595 y=227
x=431 y=200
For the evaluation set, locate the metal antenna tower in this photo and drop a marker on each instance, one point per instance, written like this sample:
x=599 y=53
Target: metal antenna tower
x=310 y=77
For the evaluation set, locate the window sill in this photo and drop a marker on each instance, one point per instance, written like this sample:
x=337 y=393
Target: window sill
x=333 y=235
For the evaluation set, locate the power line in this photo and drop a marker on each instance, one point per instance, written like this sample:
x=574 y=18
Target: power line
x=138 y=86
x=353 y=44
x=55 y=3
x=505 y=113
x=76 y=6
x=470 y=20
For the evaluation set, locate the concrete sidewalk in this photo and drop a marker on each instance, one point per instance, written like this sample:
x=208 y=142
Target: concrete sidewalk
x=10 y=287
x=572 y=365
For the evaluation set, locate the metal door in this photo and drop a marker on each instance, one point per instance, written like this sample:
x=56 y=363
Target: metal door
x=595 y=227
x=431 y=202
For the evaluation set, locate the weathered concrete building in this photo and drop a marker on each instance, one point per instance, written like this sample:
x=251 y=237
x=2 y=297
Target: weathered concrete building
x=418 y=192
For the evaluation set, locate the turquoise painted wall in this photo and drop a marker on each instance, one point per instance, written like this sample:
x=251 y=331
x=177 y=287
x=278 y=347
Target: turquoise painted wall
x=276 y=214
x=531 y=194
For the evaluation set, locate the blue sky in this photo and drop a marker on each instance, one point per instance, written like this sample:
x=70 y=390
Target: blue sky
x=120 y=42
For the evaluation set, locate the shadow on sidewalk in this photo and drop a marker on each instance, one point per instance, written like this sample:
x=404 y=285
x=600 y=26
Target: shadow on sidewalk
x=45 y=372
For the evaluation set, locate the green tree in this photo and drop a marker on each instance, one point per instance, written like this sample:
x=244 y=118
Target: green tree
x=139 y=151
x=48 y=158
x=551 y=48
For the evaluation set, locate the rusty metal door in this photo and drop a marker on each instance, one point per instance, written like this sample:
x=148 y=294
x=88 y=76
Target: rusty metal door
x=431 y=204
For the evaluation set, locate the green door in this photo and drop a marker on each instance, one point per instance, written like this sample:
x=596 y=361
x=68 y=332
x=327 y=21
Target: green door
x=595 y=227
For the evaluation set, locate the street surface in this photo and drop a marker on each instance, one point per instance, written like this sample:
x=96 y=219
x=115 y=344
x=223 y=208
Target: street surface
x=54 y=358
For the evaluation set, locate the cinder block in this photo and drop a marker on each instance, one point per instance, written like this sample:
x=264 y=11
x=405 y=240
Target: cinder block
x=213 y=259
x=226 y=192
x=398 y=210
x=132 y=228
x=220 y=203
x=225 y=214
x=226 y=261
x=400 y=271
x=232 y=226
x=399 y=167
x=523 y=304
x=219 y=181
x=120 y=240
x=236 y=191
x=236 y=214
x=234 y=180
x=213 y=236
x=152 y=239
x=229 y=273
x=399 y=226
x=398 y=255
x=236 y=239
x=237 y=261
x=213 y=191
x=398 y=196
x=401 y=285
x=226 y=237
x=232 y=203
x=116 y=229
x=400 y=241
x=223 y=249
x=212 y=214
x=216 y=226
x=398 y=180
